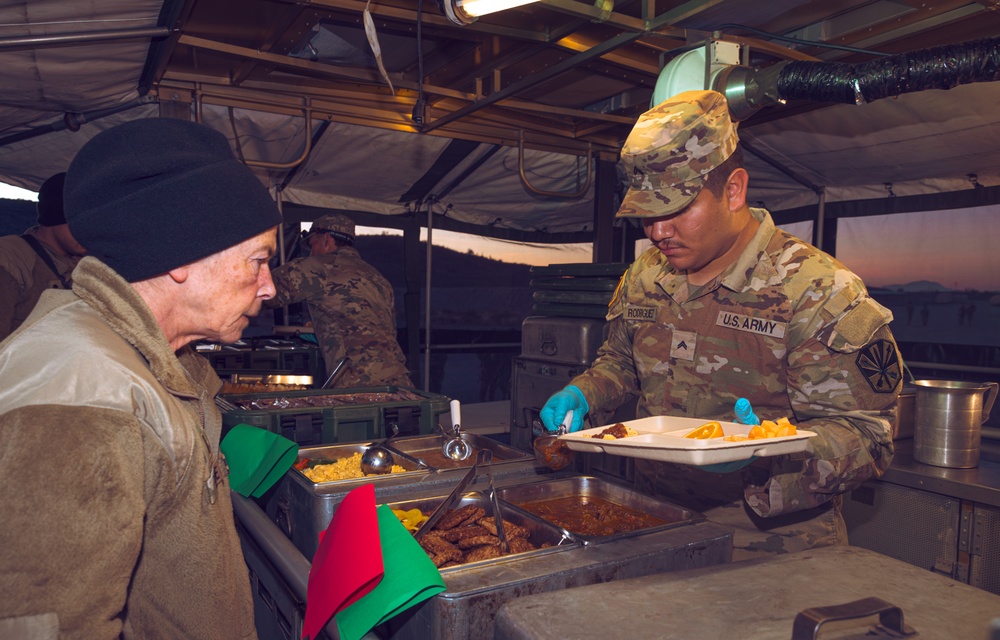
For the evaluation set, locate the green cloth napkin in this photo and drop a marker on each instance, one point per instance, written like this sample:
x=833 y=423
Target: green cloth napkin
x=256 y=458
x=410 y=578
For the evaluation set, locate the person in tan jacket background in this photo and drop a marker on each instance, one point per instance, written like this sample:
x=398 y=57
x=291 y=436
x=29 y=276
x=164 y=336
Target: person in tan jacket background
x=118 y=518
x=41 y=258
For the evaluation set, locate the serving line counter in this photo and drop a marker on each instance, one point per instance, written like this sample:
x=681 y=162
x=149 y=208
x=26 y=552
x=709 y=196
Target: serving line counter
x=980 y=484
x=279 y=570
x=278 y=531
x=761 y=600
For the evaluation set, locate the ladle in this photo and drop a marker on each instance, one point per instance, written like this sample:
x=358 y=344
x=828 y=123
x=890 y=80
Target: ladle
x=455 y=447
x=377 y=459
x=552 y=451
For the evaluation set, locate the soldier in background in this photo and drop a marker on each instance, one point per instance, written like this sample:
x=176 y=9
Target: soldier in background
x=352 y=306
x=724 y=306
x=43 y=257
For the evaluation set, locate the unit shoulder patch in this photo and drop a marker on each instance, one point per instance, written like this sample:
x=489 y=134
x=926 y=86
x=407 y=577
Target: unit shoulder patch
x=879 y=363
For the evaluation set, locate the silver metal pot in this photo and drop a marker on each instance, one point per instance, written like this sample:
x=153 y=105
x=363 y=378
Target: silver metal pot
x=949 y=421
x=902 y=427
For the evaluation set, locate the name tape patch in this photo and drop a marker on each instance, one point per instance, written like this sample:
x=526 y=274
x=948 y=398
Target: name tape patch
x=642 y=314
x=770 y=328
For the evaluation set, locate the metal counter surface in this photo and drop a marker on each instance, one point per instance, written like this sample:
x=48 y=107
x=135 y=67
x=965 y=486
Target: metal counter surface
x=473 y=596
x=980 y=484
x=754 y=600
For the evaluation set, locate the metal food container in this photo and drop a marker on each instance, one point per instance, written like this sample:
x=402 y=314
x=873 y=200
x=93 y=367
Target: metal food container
x=590 y=488
x=563 y=340
x=902 y=425
x=302 y=509
x=540 y=532
x=315 y=417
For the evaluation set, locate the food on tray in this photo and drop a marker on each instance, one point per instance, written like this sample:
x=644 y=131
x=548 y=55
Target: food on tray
x=616 y=431
x=592 y=516
x=411 y=519
x=467 y=534
x=766 y=429
x=706 y=431
x=343 y=469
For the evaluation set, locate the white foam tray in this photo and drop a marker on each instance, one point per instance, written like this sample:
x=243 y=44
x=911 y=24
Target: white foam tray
x=662 y=438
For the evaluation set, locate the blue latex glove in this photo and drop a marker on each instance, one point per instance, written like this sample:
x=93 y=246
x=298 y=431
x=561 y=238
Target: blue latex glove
x=744 y=415
x=554 y=411
x=744 y=412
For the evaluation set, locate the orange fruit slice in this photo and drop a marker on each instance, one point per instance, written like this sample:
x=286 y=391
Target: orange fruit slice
x=706 y=431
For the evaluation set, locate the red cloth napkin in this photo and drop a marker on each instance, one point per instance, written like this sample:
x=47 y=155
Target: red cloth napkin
x=348 y=562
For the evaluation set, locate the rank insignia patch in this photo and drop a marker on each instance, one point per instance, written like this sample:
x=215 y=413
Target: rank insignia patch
x=879 y=363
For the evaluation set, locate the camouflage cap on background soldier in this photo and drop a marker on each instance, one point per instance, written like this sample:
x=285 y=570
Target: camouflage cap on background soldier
x=671 y=148
x=337 y=224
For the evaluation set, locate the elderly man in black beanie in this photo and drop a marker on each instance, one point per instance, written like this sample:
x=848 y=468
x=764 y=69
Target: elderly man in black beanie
x=117 y=513
x=41 y=258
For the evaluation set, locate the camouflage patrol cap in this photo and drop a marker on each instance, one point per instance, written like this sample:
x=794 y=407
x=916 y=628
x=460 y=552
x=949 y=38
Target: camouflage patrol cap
x=671 y=148
x=337 y=224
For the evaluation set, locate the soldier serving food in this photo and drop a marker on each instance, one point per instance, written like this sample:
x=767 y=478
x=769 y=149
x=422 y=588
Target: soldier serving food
x=725 y=305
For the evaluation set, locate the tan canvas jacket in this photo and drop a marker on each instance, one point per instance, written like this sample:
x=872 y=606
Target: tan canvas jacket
x=107 y=438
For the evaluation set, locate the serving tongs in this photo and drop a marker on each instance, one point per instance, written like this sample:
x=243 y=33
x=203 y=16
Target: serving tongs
x=483 y=457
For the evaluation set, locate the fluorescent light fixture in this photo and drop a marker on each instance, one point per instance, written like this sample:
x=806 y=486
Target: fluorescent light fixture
x=466 y=11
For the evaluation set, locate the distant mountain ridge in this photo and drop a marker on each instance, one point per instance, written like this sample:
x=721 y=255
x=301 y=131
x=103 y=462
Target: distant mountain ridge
x=919 y=285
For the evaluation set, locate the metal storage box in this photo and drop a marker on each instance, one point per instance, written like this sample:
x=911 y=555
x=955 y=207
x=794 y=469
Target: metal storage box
x=574 y=290
x=533 y=382
x=564 y=340
x=315 y=417
x=302 y=509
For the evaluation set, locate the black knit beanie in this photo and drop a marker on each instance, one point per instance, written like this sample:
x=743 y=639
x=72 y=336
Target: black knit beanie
x=154 y=194
x=50 y=201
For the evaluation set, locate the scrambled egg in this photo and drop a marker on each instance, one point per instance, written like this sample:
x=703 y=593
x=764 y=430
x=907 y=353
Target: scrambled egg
x=343 y=469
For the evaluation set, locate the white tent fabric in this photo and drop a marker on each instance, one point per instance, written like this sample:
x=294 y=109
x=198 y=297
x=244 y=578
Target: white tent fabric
x=926 y=142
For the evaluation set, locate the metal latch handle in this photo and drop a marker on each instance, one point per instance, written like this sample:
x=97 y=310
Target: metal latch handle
x=890 y=617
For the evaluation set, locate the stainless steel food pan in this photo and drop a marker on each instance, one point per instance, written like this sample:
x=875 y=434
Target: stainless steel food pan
x=544 y=535
x=588 y=487
x=333 y=453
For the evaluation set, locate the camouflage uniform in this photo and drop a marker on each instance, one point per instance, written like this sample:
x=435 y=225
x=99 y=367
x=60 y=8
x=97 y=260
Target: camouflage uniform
x=354 y=315
x=786 y=326
x=23 y=278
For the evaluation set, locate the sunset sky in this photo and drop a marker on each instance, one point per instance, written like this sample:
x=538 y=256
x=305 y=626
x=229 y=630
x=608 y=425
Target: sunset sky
x=959 y=249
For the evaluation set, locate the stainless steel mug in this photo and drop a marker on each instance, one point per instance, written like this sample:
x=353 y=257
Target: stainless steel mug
x=949 y=421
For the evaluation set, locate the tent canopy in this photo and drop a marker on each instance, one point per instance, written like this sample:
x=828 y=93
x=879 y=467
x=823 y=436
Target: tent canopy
x=498 y=124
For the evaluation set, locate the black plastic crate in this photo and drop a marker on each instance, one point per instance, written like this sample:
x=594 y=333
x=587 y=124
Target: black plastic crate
x=319 y=416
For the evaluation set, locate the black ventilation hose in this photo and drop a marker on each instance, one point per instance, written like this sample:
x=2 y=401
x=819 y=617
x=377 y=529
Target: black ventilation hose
x=936 y=68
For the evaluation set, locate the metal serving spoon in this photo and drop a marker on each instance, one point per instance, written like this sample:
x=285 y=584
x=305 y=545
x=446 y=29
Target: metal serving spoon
x=377 y=459
x=455 y=447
